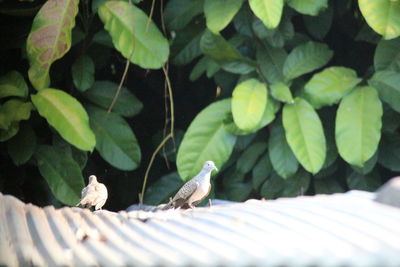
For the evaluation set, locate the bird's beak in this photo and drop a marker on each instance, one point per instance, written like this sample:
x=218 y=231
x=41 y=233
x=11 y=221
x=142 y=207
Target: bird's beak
x=215 y=168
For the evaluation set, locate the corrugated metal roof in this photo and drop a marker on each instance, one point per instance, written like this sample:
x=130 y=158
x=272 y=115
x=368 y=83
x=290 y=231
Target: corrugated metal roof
x=342 y=229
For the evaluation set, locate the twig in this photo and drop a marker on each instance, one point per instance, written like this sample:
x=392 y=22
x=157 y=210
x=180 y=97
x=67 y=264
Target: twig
x=150 y=164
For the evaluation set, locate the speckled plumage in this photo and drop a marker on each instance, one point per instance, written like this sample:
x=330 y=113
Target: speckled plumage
x=94 y=194
x=195 y=190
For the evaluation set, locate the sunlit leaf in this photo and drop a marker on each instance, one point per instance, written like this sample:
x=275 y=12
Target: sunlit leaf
x=268 y=116
x=387 y=82
x=206 y=139
x=383 y=16
x=358 y=125
x=304 y=134
x=83 y=73
x=280 y=91
x=67 y=116
x=115 y=140
x=61 y=172
x=249 y=99
x=139 y=41
x=50 y=38
x=306 y=58
x=22 y=146
x=219 y=13
x=102 y=93
x=269 y=11
x=14 y=110
x=308 y=7
x=330 y=85
x=282 y=158
x=13 y=84
x=387 y=55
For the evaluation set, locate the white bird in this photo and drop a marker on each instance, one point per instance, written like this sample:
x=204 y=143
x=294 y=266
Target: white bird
x=94 y=194
x=195 y=190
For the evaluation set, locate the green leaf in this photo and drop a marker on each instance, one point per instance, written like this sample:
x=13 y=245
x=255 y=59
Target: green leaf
x=306 y=58
x=297 y=185
x=389 y=152
x=308 y=7
x=206 y=139
x=219 y=49
x=383 y=16
x=249 y=99
x=270 y=61
x=178 y=13
x=304 y=134
x=238 y=191
x=189 y=52
x=249 y=157
x=358 y=125
x=14 y=110
x=261 y=171
x=61 y=172
x=327 y=186
x=134 y=35
x=282 y=158
x=102 y=37
x=49 y=39
x=115 y=140
x=330 y=85
x=269 y=11
x=162 y=189
x=387 y=83
x=11 y=131
x=66 y=115
x=13 y=84
x=103 y=92
x=387 y=55
x=273 y=187
x=368 y=166
x=219 y=13
x=390 y=120
x=83 y=73
x=198 y=69
x=319 y=26
x=280 y=91
x=22 y=146
x=269 y=115
x=369 y=182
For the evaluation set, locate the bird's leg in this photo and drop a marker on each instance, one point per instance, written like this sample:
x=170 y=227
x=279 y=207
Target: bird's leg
x=209 y=202
x=191 y=206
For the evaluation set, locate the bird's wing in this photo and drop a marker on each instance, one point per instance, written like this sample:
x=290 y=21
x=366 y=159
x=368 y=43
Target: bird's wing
x=185 y=193
x=101 y=194
x=200 y=200
x=88 y=195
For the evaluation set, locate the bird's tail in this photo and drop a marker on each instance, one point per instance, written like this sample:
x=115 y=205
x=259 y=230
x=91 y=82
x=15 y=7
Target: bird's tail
x=169 y=205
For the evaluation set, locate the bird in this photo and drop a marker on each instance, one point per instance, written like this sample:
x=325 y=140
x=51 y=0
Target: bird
x=94 y=194
x=195 y=190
